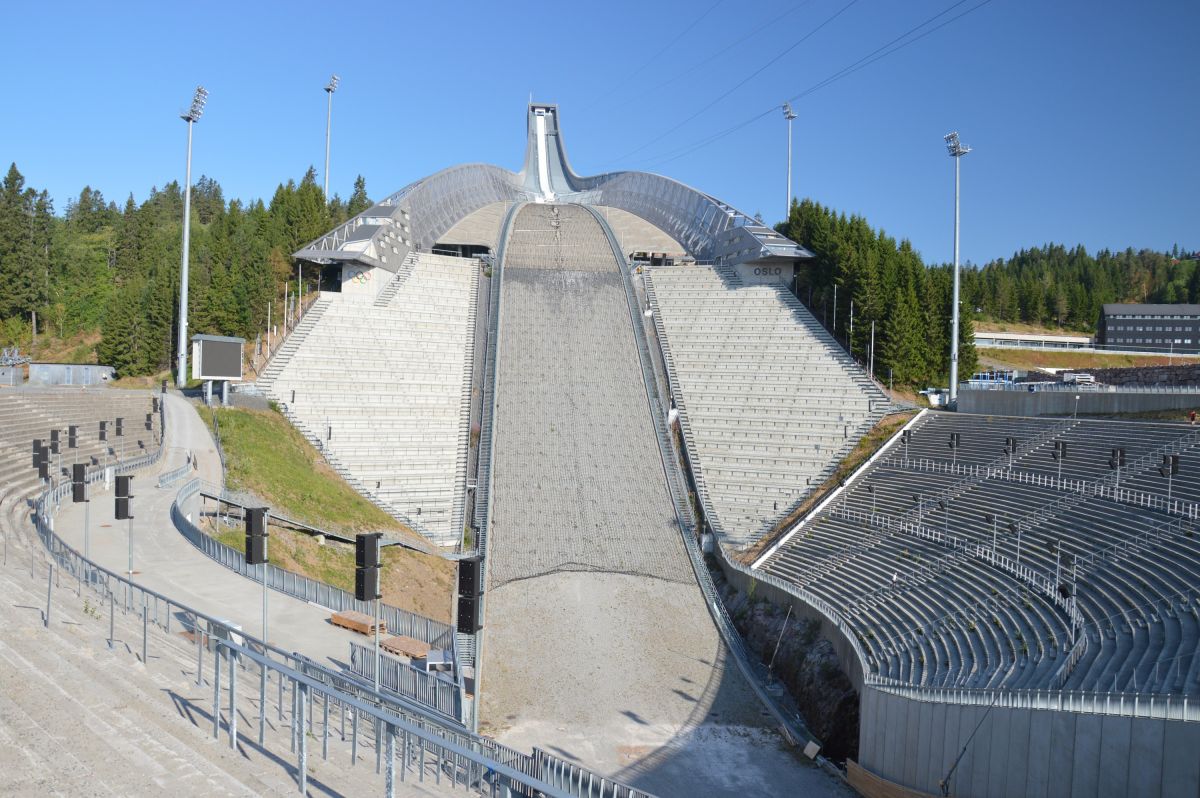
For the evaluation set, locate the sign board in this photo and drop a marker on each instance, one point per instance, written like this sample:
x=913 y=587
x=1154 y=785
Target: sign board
x=216 y=357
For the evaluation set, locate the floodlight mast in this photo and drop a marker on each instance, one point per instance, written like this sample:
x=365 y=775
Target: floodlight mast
x=956 y=150
x=789 y=115
x=330 y=88
x=191 y=116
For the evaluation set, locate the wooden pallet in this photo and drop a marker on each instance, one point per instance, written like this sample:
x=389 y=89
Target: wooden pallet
x=404 y=646
x=357 y=622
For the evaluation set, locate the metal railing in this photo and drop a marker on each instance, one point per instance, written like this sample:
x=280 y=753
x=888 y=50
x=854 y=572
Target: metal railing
x=430 y=746
x=403 y=679
x=398 y=621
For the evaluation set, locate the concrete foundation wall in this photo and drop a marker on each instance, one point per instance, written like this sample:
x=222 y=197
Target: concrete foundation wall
x=11 y=375
x=1028 y=752
x=69 y=374
x=1062 y=403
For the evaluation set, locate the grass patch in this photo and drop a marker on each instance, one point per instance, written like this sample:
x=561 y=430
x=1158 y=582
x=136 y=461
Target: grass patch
x=416 y=582
x=868 y=445
x=984 y=325
x=266 y=456
x=1031 y=359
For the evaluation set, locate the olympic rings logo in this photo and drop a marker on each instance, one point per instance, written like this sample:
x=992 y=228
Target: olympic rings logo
x=361 y=277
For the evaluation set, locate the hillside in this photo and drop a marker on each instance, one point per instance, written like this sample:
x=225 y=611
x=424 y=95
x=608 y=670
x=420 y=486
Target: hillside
x=267 y=458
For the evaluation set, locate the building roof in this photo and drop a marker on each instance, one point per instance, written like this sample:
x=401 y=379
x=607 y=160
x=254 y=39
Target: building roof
x=1151 y=310
x=218 y=338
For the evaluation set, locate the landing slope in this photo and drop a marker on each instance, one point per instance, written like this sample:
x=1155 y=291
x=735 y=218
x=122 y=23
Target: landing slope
x=598 y=645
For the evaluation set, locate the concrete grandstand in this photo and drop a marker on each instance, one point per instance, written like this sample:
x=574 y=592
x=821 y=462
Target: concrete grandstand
x=593 y=382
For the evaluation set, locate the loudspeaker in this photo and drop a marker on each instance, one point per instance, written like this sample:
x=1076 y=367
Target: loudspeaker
x=366 y=550
x=256 y=549
x=469 y=572
x=124 y=510
x=78 y=492
x=103 y=430
x=149 y=421
x=53 y=441
x=72 y=437
x=78 y=473
x=124 y=483
x=256 y=521
x=120 y=427
x=469 y=615
x=37 y=452
x=366 y=584
x=43 y=469
x=154 y=403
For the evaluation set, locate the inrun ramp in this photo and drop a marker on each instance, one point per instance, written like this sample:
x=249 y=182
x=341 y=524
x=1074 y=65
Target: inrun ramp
x=597 y=644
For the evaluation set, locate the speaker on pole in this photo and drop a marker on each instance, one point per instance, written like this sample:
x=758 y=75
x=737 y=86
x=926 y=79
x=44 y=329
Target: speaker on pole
x=72 y=437
x=53 y=441
x=78 y=483
x=103 y=430
x=366 y=570
x=124 y=508
x=469 y=615
x=469 y=572
x=120 y=426
x=256 y=535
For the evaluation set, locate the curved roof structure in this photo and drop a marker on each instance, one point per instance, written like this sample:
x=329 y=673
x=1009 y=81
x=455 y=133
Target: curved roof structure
x=417 y=215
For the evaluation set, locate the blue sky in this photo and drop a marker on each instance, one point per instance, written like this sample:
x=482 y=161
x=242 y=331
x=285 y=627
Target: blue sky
x=1083 y=114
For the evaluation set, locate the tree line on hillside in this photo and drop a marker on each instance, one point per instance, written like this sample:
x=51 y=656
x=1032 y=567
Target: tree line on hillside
x=116 y=269
x=889 y=285
x=1053 y=286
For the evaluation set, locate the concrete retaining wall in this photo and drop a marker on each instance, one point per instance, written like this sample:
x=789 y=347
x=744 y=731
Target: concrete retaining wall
x=1028 y=752
x=11 y=375
x=1062 y=403
x=69 y=374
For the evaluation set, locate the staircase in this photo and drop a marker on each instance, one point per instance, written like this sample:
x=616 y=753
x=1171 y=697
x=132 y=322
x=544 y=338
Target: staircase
x=288 y=348
x=402 y=274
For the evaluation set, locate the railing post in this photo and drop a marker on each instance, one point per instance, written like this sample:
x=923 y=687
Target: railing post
x=232 y=700
x=262 y=699
x=49 y=588
x=303 y=690
x=217 y=691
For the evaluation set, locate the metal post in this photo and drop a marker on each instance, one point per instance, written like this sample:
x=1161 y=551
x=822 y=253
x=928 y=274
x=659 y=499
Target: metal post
x=232 y=700
x=262 y=702
x=217 y=691
x=130 y=535
x=390 y=780
x=199 y=650
x=957 y=151
x=353 y=735
x=49 y=588
x=376 y=645
x=872 y=368
x=181 y=353
x=834 y=328
x=303 y=743
x=325 y=726
x=145 y=630
x=87 y=549
x=111 y=618
x=789 y=115
x=263 y=574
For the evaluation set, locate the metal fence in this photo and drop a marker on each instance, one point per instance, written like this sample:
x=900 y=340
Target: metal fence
x=403 y=679
x=398 y=621
x=430 y=747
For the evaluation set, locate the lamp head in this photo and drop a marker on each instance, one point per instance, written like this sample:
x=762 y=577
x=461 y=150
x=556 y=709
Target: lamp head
x=199 y=100
x=331 y=87
x=954 y=147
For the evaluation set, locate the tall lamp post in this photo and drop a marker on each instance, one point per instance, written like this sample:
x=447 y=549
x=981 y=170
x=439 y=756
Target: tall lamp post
x=330 y=88
x=193 y=114
x=957 y=150
x=790 y=116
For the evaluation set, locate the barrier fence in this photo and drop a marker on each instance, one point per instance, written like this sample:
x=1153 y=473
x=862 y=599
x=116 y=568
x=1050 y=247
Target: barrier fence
x=429 y=746
x=403 y=679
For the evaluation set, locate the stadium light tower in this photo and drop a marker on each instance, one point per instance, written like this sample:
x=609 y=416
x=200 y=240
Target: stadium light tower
x=330 y=88
x=191 y=116
x=790 y=116
x=957 y=150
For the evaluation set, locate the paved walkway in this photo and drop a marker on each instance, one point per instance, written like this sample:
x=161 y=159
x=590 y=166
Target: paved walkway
x=164 y=561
